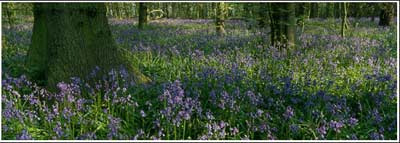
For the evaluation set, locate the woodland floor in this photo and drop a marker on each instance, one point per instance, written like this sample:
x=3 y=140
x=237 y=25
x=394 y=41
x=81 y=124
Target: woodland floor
x=210 y=87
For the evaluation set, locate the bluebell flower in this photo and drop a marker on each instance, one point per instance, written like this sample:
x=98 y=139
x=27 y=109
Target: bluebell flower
x=294 y=128
x=336 y=126
x=58 y=130
x=24 y=135
x=322 y=131
x=113 y=125
x=353 y=137
x=288 y=113
x=142 y=113
x=376 y=136
x=352 y=121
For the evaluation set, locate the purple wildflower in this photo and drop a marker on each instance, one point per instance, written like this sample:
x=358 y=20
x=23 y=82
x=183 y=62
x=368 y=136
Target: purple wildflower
x=142 y=113
x=336 y=126
x=113 y=125
x=322 y=131
x=294 y=128
x=352 y=121
x=353 y=137
x=289 y=113
x=234 y=130
x=375 y=115
x=376 y=136
x=58 y=130
x=24 y=135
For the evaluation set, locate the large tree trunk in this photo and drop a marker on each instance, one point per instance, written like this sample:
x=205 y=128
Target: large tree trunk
x=283 y=24
x=387 y=14
x=142 y=15
x=220 y=18
x=70 y=40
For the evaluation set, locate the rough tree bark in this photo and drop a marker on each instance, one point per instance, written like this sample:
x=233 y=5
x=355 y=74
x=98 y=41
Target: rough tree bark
x=70 y=40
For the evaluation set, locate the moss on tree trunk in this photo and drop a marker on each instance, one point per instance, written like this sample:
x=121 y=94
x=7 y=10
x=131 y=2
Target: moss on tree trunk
x=70 y=40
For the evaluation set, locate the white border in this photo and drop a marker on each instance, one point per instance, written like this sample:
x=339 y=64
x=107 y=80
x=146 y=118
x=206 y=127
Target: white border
x=397 y=2
x=239 y=1
x=1 y=65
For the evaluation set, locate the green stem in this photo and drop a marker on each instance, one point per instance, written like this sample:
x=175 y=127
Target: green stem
x=184 y=128
x=175 y=133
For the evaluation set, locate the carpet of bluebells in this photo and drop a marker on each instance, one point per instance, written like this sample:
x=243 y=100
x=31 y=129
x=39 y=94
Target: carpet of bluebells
x=209 y=87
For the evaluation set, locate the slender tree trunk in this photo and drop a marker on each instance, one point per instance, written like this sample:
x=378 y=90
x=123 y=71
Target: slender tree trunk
x=70 y=40
x=173 y=10
x=198 y=10
x=374 y=11
x=220 y=18
x=142 y=15
x=344 y=19
x=246 y=8
x=328 y=10
x=302 y=15
x=291 y=25
x=314 y=10
x=262 y=15
x=119 y=10
x=179 y=10
x=166 y=9
x=336 y=11
x=127 y=13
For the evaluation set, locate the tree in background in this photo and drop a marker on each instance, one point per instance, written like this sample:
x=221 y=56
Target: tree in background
x=220 y=18
x=283 y=24
x=329 y=10
x=336 y=10
x=9 y=14
x=386 y=14
x=262 y=17
x=143 y=15
x=345 y=24
x=70 y=40
x=302 y=14
x=314 y=10
x=372 y=10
